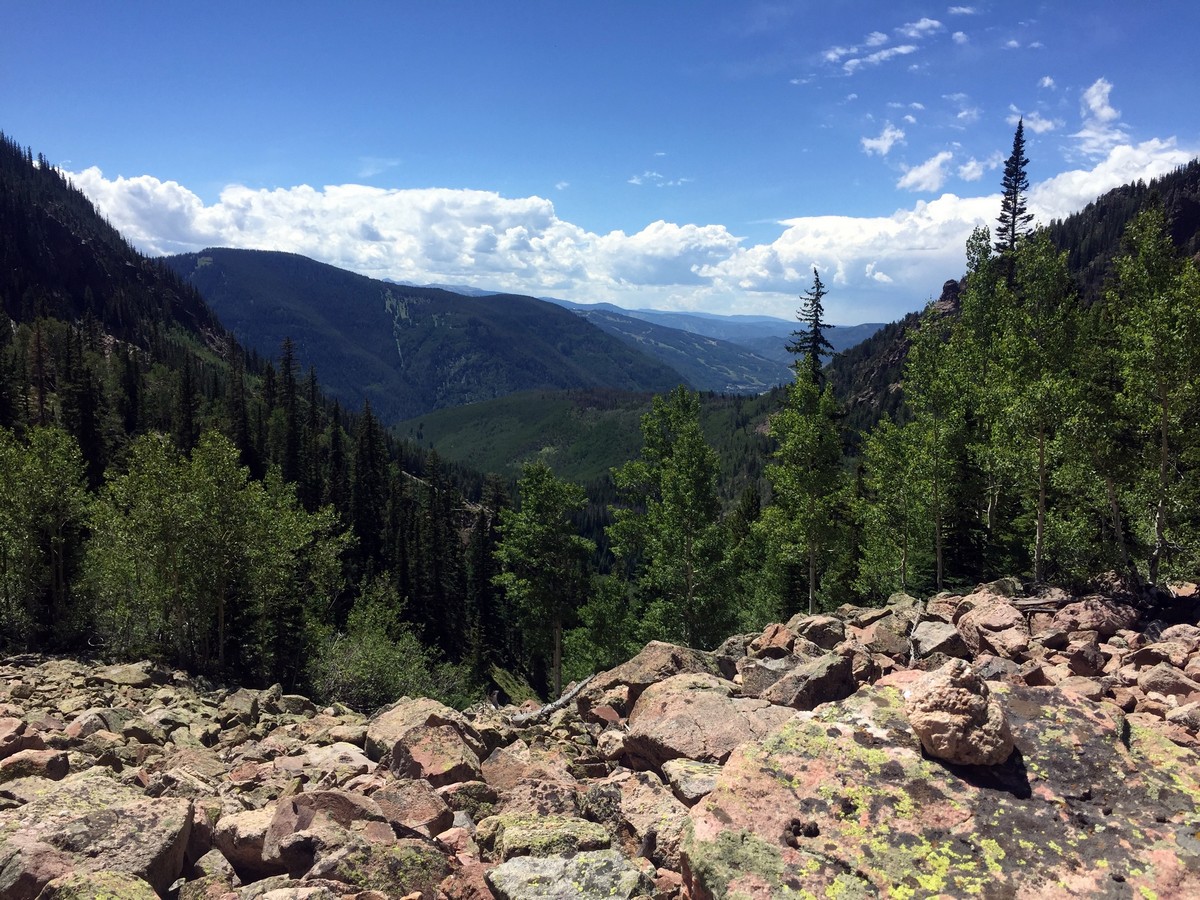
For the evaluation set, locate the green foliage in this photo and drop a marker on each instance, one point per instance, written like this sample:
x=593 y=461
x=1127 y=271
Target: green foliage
x=802 y=526
x=43 y=507
x=668 y=535
x=377 y=659
x=544 y=562
x=194 y=563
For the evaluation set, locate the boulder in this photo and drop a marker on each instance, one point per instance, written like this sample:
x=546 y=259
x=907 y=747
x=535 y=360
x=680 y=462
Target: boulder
x=240 y=837
x=694 y=716
x=824 y=631
x=52 y=764
x=843 y=802
x=642 y=815
x=1165 y=679
x=437 y=753
x=987 y=619
x=956 y=719
x=776 y=640
x=98 y=824
x=831 y=677
x=391 y=725
x=411 y=803
x=1096 y=614
x=690 y=780
x=934 y=636
x=656 y=662
x=595 y=875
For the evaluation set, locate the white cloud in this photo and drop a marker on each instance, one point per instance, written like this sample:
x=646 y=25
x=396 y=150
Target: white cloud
x=973 y=169
x=961 y=10
x=920 y=28
x=960 y=37
x=915 y=105
x=928 y=176
x=850 y=66
x=1034 y=121
x=851 y=97
x=875 y=275
x=911 y=120
x=875 y=39
x=1046 y=82
x=520 y=244
x=562 y=185
x=1101 y=129
x=884 y=143
x=1070 y=191
x=1012 y=44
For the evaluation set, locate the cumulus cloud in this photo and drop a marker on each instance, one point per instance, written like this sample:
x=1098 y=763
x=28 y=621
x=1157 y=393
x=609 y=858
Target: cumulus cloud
x=920 y=28
x=851 y=66
x=1046 y=82
x=1101 y=129
x=875 y=39
x=928 y=176
x=884 y=143
x=960 y=37
x=520 y=244
x=1034 y=121
x=973 y=169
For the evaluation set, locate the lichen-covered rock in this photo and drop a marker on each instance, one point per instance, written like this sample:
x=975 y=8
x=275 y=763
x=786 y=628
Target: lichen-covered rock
x=102 y=885
x=956 y=719
x=507 y=835
x=98 y=824
x=690 y=780
x=596 y=875
x=642 y=815
x=844 y=800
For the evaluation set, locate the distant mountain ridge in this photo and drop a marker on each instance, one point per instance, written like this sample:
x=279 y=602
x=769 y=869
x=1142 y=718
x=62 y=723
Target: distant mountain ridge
x=410 y=350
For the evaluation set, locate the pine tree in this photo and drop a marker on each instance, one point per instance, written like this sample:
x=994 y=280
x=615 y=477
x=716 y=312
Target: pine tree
x=809 y=342
x=1014 y=220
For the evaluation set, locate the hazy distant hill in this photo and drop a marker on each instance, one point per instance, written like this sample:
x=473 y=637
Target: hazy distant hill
x=410 y=349
x=708 y=363
x=765 y=337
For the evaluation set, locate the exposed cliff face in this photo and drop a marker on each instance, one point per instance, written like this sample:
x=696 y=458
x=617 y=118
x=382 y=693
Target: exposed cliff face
x=991 y=744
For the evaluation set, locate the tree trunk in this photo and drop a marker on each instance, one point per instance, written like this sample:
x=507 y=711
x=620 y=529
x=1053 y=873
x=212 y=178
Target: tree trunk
x=556 y=665
x=1160 y=512
x=1039 y=544
x=1114 y=506
x=812 y=578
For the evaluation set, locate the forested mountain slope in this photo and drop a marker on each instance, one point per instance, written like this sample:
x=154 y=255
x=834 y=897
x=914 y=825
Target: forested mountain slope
x=866 y=378
x=410 y=350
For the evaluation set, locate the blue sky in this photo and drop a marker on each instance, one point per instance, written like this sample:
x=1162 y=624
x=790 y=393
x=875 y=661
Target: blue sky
x=702 y=155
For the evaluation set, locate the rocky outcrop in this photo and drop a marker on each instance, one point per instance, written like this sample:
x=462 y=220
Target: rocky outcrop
x=985 y=743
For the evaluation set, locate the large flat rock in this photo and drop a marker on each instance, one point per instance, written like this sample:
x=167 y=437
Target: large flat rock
x=844 y=800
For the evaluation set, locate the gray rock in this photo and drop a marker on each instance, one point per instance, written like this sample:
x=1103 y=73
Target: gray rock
x=596 y=875
x=829 y=678
x=937 y=637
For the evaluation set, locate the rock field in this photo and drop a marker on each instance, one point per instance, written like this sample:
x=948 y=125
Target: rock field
x=993 y=744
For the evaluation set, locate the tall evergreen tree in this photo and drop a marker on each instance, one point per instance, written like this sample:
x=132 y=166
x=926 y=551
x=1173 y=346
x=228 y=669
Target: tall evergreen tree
x=809 y=342
x=1014 y=220
x=670 y=531
x=544 y=561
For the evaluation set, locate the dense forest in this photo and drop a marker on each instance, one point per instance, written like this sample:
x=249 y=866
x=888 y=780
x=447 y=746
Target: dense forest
x=169 y=495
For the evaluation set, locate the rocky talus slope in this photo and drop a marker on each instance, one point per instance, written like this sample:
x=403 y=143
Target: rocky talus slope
x=992 y=745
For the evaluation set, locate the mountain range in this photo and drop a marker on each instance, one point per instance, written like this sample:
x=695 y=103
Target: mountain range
x=412 y=349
